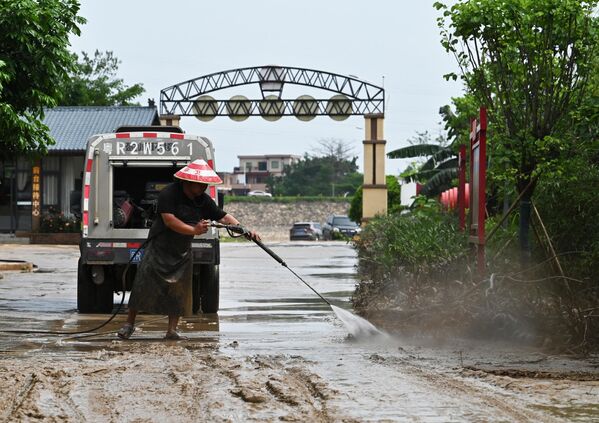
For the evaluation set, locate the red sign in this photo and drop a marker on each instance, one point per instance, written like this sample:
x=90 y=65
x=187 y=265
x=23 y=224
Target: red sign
x=478 y=185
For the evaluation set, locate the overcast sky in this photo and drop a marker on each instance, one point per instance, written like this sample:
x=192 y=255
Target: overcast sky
x=162 y=43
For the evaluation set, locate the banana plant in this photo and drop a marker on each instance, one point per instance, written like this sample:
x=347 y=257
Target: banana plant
x=436 y=173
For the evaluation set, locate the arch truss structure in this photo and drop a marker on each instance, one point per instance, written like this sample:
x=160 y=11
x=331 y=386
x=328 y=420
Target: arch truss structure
x=351 y=95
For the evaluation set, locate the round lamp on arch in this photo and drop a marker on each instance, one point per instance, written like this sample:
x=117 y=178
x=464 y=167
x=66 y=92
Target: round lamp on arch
x=339 y=107
x=205 y=108
x=305 y=108
x=239 y=108
x=271 y=108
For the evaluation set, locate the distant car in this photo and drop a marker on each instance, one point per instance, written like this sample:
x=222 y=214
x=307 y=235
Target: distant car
x=310 y=231
x=258 y=193
x=339 y=227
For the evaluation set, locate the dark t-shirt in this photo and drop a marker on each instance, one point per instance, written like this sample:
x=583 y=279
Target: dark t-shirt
x=163 y=280
x=173 y=200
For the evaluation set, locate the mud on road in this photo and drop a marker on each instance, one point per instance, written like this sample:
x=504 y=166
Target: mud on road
x=274 y=353
x=156 y=382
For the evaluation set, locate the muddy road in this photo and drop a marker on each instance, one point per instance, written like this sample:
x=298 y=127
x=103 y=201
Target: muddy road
x=275 y=352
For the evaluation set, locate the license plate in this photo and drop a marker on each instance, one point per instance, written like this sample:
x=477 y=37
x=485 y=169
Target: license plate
x=135 y=258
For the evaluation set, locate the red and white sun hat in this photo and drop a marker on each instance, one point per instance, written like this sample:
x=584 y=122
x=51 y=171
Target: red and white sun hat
x=199 y=171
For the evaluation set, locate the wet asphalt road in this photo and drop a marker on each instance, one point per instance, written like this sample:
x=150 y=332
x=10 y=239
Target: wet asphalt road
x=270 y=319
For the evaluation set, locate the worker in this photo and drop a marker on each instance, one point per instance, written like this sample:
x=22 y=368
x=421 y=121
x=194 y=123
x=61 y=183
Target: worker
x=163 y=283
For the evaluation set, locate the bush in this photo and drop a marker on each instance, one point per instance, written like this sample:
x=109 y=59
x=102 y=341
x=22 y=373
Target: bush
x=412 y=242
x=408 y=260
x=54 y=221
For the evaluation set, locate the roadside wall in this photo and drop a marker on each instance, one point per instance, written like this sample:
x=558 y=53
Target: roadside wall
x=273 y=220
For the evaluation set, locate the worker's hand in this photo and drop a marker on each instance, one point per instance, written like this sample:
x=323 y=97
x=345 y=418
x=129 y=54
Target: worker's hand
x=253 y=235
x=201 y=227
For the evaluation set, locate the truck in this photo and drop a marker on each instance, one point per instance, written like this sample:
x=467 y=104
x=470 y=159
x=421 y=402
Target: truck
x=123 y=174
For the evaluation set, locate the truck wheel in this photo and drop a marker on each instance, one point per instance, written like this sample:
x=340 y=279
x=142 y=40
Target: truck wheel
x=206 y=287
x=92 y=298
x=85 y=289
x=105 y=295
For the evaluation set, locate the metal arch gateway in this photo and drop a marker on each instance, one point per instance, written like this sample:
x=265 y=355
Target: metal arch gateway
x=352 y=97
x=359 y=97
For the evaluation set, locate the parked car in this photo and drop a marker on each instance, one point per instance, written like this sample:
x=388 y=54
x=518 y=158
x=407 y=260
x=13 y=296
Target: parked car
x=311 y=231
x=258 y=193
x=339 y=227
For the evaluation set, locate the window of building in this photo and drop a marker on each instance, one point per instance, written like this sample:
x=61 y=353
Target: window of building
x=248 y=166
x=23 y=181
x=274 y=164
x=262 y=166
x=50 y=181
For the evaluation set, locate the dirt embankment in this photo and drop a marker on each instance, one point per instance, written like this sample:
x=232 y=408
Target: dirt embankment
x=273 y=220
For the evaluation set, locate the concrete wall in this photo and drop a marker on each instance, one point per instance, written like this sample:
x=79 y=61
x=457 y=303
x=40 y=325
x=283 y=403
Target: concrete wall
x=273 y=220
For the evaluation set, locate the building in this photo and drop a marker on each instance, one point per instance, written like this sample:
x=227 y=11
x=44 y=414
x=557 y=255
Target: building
x=253 y=172
x=56 y=179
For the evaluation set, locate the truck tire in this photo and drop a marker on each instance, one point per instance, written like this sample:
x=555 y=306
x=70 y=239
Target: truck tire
x=105 y=294
x=206 y=287
x=92 y=298
x=85 y=289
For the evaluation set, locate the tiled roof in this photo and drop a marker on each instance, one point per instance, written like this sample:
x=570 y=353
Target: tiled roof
x=71 y=126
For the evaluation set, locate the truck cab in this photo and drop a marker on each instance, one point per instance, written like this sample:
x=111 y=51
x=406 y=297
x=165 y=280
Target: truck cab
x=124 y=172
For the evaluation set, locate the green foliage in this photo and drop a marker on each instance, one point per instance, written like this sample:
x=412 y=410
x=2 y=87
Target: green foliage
x=416 y=243
x=54 y=221
x=355 y=207
x=331 y=175
x=456 y=118
x=34 y=62
x=417 y=150
x=432 y=173
x=93 y=82
x=569 y=209
x=393 y=199
x=529 y=61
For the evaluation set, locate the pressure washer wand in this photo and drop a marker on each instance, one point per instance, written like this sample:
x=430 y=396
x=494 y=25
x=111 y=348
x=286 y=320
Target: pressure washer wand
x=280 y=260
x=244 y=232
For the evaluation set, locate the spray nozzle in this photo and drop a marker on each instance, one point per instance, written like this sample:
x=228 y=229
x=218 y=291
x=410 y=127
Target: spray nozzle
x=232 y=229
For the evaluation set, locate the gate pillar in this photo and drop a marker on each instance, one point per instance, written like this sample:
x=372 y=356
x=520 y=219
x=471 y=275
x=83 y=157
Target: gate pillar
x=374 y=190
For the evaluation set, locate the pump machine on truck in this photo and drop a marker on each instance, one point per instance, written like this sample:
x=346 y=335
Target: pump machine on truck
x=123 y=174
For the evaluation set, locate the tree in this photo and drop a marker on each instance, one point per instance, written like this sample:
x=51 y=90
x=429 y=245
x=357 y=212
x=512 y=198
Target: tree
x=93 y=82
x=330 y=174
x=34 y=62
x=437 y=172
x=338 y=154
x=529 y=62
